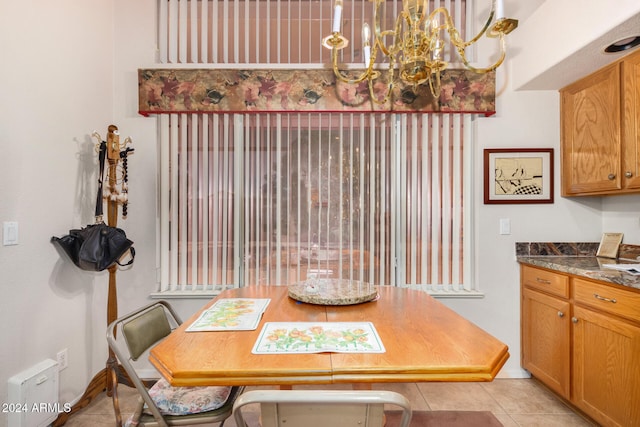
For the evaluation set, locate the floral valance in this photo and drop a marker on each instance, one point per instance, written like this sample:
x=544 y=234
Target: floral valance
x=163 y=91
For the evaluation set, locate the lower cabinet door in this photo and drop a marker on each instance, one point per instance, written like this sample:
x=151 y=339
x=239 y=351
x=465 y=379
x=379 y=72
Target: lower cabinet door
x=546 y=340
x=606 y=368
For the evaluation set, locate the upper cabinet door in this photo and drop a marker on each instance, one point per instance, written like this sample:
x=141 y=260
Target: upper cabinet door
x=631 y=119
x=591 y=134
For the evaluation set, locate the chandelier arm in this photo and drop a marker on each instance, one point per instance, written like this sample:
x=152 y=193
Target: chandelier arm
x=398 y=40
x=453 y=31
x=435 y=88
x=338 y=73
x=379 y=34
x=390 y=79
x=374 y=74
x=395 y=33
x=503 y=52
x=379 y=40
x=373 y=97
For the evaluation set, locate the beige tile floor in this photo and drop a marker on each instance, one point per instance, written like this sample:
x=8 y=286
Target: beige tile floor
x=515 y=402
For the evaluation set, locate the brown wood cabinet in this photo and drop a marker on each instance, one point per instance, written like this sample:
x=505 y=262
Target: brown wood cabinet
x=581 y=338
x=600 y=139
x=545 y=340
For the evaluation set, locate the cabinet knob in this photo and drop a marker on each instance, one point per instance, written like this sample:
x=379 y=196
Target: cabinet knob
x=560 y=314
x=574 y=319
x=612 y=176
x=628 y=174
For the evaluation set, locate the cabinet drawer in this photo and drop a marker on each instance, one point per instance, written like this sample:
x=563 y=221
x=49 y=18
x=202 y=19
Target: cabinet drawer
x=546 y=281
x=607 y=298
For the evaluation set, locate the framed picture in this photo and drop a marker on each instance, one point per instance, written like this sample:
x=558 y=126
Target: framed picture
x=609 y=245
x=518 y=175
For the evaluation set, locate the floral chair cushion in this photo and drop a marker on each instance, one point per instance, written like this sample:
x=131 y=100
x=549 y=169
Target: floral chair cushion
x=187 y=400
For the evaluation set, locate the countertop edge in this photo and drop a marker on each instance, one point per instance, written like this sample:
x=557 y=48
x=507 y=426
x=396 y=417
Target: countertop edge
x=589 y=267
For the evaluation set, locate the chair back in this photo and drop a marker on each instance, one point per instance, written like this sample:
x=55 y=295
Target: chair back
x=140 y=330
x=145 y=330
x=321 y=408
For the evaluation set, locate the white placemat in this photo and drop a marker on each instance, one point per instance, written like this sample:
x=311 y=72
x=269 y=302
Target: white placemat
x=231 y=314
x=318 y=337
x=629 y=268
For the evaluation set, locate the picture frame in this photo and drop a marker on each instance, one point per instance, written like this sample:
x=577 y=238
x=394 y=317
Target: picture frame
x=609 y=245
x=518 y=175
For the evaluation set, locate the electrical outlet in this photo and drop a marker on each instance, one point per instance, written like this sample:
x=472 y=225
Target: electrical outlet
x=63 y=361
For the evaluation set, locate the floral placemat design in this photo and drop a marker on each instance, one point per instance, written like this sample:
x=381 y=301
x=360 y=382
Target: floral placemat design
x=318 y=337
x=231 y=314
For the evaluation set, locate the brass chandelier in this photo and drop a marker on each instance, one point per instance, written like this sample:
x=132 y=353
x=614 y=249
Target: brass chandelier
x=416 y=51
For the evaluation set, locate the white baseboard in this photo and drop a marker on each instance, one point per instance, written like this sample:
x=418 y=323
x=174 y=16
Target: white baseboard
x=148 y=373
x=513 y=373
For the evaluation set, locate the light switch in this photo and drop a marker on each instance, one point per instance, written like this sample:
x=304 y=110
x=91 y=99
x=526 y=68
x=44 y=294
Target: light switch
x=505 y=226
x=9 y=233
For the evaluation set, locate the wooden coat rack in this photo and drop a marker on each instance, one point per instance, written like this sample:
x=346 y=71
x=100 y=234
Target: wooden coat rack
x=116 y=195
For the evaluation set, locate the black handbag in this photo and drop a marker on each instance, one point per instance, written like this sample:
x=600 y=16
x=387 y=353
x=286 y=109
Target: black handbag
x=96 y=247
x=99 y=246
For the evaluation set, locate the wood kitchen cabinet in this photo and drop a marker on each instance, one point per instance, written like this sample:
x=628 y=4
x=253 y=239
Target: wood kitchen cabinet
x=545 y=314
x=605 y=368
x=581 y=338
x=600 y=140
x=545 y=340
x=606 y=352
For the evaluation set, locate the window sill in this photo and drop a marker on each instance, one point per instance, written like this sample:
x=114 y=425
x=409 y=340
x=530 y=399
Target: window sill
x=456 y=294
x=184 y=294
x=208 y=294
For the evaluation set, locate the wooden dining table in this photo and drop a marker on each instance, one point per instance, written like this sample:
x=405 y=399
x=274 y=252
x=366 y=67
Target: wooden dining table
x=423 y=341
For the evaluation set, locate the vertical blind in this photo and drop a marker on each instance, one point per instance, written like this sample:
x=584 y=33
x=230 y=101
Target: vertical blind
x=275 y=32
x=271 y=199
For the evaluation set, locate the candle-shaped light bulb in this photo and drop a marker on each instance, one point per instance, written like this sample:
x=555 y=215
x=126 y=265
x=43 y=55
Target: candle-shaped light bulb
x=366 y=46
x=337 y=16
x=436 y=55
x=366 y=33
x=499 y=9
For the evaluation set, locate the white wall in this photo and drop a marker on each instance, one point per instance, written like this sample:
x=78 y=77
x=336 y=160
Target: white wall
x=57 y=87
x=71 y=70
x=135 y=47
x=531 y=119
x=523 y=120
x=622 y=214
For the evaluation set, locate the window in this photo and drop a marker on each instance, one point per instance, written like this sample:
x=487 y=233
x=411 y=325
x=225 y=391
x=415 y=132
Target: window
x=277 y=198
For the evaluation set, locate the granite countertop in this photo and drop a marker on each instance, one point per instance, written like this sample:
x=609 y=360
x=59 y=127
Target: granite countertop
x=579 y=259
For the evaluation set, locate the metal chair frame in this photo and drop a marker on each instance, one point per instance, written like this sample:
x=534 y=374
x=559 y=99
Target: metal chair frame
x=321 y=408
x=139 y=331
